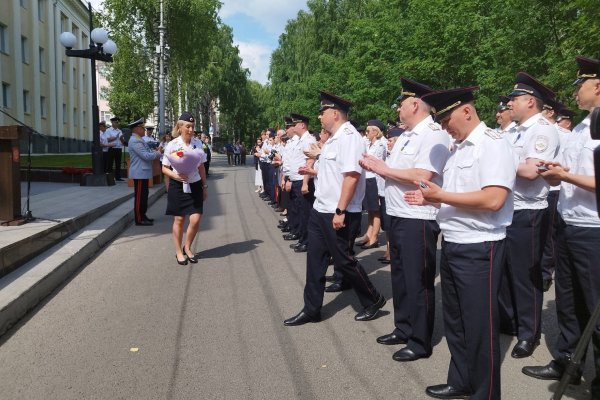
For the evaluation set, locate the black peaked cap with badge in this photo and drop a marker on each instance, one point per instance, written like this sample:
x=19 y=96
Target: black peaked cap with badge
x=444 y=101
x=553 y=104
x=114 y=119
x=288 y=121
x=297 y=118
x=136 y=123
x=527 y=84
x=564 y=113
x=588 y=69
x=412 y=89
x=503 y=103
x=329 y=100
x=377 y=123
x=394 y=132
x=187 y=117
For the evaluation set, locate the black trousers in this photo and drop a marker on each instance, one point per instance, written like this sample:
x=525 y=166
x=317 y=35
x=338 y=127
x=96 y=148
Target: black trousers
x=521 y=291
x=206 y=167
x=106 y=161
x=294 y=207
x=413 y=247
x=324 y=241
x=577 y=279
x=548 y=261
x=116 y=156
x=140 y=205
x=470 y=275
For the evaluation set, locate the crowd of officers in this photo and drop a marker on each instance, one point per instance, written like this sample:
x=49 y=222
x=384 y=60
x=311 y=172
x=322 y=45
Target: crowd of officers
x=515 y=205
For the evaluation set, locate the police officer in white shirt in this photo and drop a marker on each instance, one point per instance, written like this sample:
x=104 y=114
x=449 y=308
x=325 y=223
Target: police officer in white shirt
x=302 y=189
x=115 y=137
x=419 y=154
x=548 y=260
x=521 y=289
x=476 y=207
x=505 y=124
x=336 y=215
x=105 y=145
x=577 y=277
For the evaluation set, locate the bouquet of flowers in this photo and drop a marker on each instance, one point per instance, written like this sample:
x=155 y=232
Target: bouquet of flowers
x=185 y=162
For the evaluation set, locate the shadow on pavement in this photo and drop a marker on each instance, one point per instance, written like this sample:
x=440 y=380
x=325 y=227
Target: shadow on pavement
x=229 y=249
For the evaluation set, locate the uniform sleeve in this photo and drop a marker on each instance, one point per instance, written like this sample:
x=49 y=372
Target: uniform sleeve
x=351 y=150
x=434 y=152
x=497 y=165
x=543 y=143
x=165 y=159
x=140 y=149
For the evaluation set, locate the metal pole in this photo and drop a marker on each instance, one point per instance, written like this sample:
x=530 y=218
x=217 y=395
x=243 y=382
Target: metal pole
x=161 y=74
x=97 y=168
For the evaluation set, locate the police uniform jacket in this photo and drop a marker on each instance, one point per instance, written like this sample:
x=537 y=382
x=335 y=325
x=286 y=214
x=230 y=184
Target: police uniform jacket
x=483 y=159
x=340 y=154
x=297 y=157
x=112 y=132
x=426 y=146
x=380 y=181
x=576 y=205
x=536 y=138
x=141 y=157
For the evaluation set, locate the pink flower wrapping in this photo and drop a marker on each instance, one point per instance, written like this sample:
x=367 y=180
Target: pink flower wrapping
x=185 y=162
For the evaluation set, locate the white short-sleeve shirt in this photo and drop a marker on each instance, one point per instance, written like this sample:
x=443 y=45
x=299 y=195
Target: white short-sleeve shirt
x=296 y=155
x=340 y=154
x=576 y=205
x=178 y=144
x=483 y=159
x=535 y=138
x=426 y=147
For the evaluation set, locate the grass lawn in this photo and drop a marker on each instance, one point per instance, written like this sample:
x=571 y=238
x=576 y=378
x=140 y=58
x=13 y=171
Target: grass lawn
x=57 y=161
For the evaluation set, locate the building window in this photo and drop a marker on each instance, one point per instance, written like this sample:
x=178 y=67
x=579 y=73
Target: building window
x=84 y=40
x=65 y=116
x=83 y=82
x=84 y=120
x=75 y=30
x=105 y=116
x=42 y=60
x=24 y=55
x=64 y=72
x=3 y=38
x=42 y=10
x=43 y=106
x=26 y=101
x=74 y=116
x=74 y=78
x=64 y=23
x=5 y=95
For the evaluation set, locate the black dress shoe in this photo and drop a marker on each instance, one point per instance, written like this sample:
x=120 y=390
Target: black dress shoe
x=371 y=311
x=508 y=331
x=193 y=259
x=300 y=319
x=337 y=287
x=144 y=223
x=279 y=209
x=524 y=348
x=546 y=284
x=147 y=219
x=446 y=392
x=384 y=261
x=302 y=249
x=290 y=236
x=330 y=278
x=406 y=354
x=272 y=203
x=551 y=372
x=184 y=262
x=390 y=339
x=294 y=245
x=373 y=245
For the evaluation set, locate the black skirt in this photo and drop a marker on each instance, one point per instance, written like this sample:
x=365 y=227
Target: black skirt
x=371 y=199
x=180 y=203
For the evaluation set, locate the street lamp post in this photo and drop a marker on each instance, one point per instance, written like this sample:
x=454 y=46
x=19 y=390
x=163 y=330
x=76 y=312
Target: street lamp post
x=100 y=49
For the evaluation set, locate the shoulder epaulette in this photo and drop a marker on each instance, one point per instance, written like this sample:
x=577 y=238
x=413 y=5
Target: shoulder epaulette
x=434 y=127
x=543 y=121
x=493 y=134
x=348 y=131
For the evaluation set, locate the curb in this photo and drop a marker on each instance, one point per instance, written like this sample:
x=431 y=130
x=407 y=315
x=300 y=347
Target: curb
x=26 y=287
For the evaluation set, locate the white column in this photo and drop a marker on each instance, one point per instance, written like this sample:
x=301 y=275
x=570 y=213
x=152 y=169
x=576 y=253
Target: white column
x=35 y=44
x=18 y=64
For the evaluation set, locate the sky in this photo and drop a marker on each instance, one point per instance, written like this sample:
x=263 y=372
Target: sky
x=256 y=26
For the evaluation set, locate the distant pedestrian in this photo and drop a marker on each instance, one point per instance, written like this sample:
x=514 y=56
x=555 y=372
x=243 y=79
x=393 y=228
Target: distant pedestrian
x=115 y=137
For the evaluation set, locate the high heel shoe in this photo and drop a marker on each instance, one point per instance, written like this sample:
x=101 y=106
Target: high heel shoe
x=184 y=262
x=373 y=245
x=193 y=259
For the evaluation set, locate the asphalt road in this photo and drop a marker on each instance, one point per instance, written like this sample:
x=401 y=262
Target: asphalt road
x=132 y=324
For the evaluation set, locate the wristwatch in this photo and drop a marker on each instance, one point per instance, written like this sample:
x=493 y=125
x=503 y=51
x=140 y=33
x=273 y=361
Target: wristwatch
x=340 y=212
x=204 y=186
